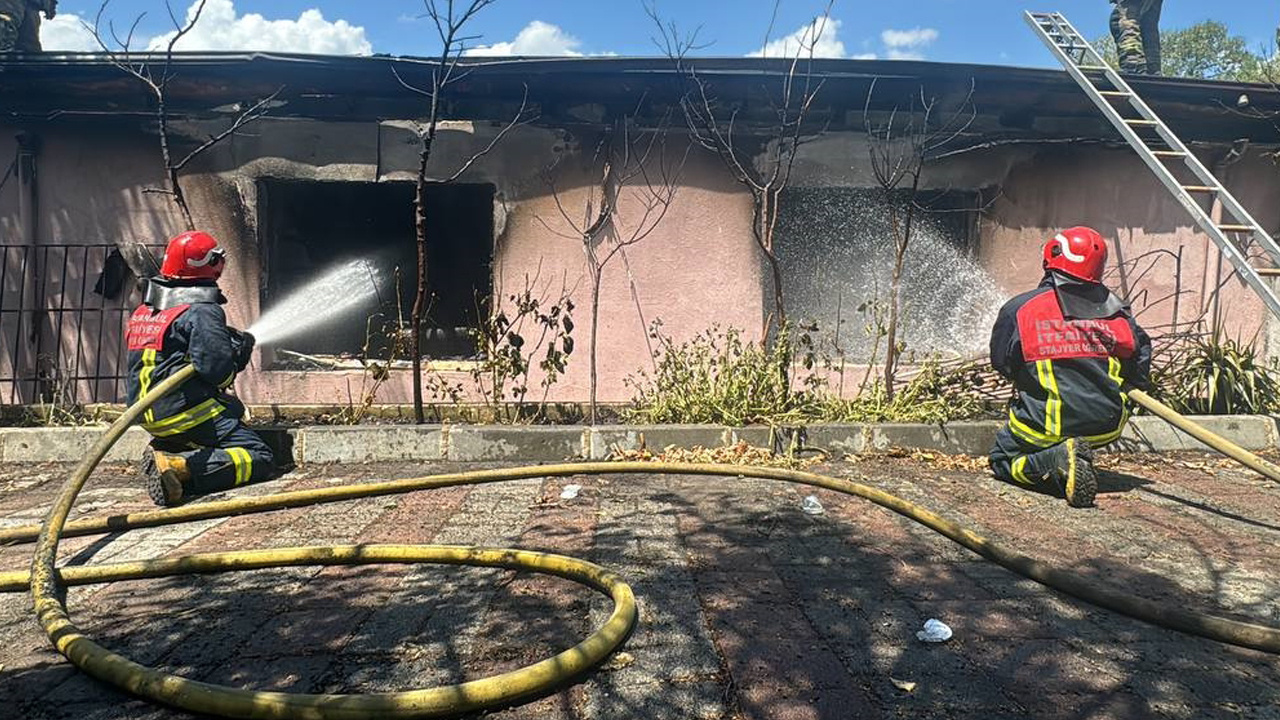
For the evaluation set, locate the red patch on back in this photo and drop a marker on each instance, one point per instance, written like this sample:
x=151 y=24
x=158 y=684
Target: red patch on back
x=1047 y=335
x=146 y=328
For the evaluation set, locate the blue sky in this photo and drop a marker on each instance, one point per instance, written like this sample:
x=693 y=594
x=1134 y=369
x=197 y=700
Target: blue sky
x=979 y=31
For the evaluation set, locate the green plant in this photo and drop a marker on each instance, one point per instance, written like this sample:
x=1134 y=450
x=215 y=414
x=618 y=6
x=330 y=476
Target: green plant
x=717 y=377
x=384 y=336
x=57 y=405
x=527 y=333
x=933 y=395
x=1212 y=374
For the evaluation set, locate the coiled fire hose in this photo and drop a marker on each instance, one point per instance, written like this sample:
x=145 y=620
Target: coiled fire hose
x=47 y=582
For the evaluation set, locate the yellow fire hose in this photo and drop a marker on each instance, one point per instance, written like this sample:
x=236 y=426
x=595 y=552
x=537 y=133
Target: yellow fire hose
x=1221 y=444
x=46 y=582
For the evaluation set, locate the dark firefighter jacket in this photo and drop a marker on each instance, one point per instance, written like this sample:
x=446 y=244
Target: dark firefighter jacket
x=179 y=324
x=1068 y=366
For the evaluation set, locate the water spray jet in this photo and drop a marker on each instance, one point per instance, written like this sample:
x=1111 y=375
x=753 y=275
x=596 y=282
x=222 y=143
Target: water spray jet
x=338 y=292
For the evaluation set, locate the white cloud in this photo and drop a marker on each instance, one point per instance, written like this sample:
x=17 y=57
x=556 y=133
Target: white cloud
x=907 y=44
x=537 y=38
x=66 y=32
x=221 y=28
x=822 y=34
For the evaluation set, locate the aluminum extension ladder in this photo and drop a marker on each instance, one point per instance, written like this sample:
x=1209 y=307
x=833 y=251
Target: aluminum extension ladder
x=1113 y=96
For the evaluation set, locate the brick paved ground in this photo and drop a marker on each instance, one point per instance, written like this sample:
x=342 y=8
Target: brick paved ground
x=749 y=608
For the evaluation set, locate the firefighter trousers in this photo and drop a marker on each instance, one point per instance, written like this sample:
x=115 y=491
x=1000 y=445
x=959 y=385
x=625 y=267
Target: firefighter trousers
x=221 y=453
x=1021 y=463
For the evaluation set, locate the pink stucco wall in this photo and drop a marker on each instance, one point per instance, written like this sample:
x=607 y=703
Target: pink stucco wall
x=698 y=268
x=1112 y=191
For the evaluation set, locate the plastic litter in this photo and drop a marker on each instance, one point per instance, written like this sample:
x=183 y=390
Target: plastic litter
x=903 y=685
x=935 y=631
x=619 y=661
x=570 y=492
x=811 y=506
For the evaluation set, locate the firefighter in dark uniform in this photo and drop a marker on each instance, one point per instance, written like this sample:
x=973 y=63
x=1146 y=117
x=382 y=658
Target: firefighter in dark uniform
x=199 y=444
x=1069 y=346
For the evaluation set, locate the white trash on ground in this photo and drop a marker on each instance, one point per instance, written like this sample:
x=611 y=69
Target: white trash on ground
x=811 y=506
x=570 y=492
x=935 y=631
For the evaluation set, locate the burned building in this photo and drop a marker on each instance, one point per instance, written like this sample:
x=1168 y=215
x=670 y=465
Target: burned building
x=327 y=177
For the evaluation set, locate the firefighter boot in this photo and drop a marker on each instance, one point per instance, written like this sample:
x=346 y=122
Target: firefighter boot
x=1074 y=474
x=167 y=476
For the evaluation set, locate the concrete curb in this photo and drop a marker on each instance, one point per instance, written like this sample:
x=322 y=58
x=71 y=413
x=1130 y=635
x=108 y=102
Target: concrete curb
x=65 y=444
x=519 y=443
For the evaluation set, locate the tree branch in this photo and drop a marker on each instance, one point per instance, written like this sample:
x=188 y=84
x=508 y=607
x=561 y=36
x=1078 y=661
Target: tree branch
x=516 y=120
x=256 y=111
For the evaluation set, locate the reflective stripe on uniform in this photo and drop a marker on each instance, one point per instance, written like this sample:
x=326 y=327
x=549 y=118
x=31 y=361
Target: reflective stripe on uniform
x=1053 y=403
x=243 y=463
x=1019 y=469
x=1070 y=488
x=184 y=421
x=1113 y=371
x=1029 y=434
x=1114 y=366
x=144 y=381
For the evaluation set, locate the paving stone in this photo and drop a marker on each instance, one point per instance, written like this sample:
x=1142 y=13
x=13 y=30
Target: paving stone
x=748 y=607
x=618 y=696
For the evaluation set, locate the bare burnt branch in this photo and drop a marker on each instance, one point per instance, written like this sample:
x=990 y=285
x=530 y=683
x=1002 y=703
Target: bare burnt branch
x=520 y=118
x=254 y=112
x=405 y=84
x=773 y=18
x=122 y=56
x=448 y=24
x=670 y=41
x=182 y=30
x=622 y=159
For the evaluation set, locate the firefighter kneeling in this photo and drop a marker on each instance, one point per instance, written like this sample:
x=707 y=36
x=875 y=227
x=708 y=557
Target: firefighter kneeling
x=199 y=444
x=1068 y=346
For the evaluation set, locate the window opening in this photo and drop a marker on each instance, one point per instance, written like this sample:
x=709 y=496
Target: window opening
x=309 y=227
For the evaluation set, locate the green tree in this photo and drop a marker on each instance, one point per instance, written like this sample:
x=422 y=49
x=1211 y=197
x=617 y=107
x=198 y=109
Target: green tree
x=1206 y=50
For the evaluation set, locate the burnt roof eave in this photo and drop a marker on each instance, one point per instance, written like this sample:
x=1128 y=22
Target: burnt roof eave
x=827 y=67
x=361 y=88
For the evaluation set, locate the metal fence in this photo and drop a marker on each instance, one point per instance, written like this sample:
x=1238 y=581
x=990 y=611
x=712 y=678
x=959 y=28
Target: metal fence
x=62 y=315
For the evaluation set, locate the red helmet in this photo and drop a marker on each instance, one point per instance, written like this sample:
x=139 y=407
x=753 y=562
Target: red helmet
x=193 y=255
x=1079 y=252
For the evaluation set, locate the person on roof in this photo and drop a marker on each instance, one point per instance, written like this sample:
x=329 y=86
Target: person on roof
x=199 y=443
x=1069 y=346
x=1135 y=25
x=20 y=23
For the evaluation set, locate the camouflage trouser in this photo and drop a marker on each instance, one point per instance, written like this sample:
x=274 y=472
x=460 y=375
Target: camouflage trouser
x=1135 y=25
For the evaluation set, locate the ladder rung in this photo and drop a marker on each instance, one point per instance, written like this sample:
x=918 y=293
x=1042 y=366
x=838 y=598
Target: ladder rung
x=1146 y=133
